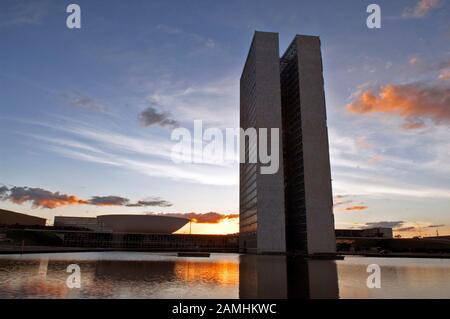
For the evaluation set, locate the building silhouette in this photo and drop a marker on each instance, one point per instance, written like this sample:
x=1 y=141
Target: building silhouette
x=290 y=211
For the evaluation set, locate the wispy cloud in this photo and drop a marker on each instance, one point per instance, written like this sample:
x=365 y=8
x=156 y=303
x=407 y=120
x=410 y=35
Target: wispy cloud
x=146 y=154
x=79 y=100
x=344 y=203
x=214 y=103
x=202 y=43
x=29 y=12
x=422 y=8
x=377 y=158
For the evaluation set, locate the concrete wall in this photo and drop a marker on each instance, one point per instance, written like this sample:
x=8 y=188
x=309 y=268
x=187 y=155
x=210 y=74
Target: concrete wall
x=270 y=206
x=262 y=69
x=316 y=158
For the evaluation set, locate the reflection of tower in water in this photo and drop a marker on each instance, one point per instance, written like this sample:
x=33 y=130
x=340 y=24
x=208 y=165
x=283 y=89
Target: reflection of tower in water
x=280 y=277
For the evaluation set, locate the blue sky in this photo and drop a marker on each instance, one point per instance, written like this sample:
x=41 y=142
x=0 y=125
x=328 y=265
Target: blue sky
x=70 y=102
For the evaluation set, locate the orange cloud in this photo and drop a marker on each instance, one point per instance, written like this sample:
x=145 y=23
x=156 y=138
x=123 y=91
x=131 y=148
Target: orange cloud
x=356 y=208
x=341 y=200
x=208 y=218
x=414 y=102
x=444 y=75
x=41 y=198
x=422 y=8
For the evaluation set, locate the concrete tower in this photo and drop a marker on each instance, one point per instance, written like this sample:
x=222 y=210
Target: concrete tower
x=291 y=210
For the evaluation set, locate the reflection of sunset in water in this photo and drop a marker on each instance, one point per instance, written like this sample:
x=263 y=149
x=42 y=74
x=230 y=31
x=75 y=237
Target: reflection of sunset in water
x=164 y=275
x=222 y=273
x=33 y=280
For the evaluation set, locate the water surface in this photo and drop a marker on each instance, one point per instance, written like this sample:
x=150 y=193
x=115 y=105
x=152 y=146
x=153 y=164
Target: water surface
x=164 y=275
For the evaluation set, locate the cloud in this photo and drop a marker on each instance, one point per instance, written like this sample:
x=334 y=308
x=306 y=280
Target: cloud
x=414 y=60
x=422 y=8
x=41 y=198
x=436 y=226
x=413 y=124
x=151 y=116
x=108 y=201
x=356 y=208
x=213 y=102
x=23 y=13
x=444 y=75
x=377 y=158
x=82 y=101
x=406 y=229
x=341 y=200
x=384 y=224
x=418 y=227
x=154 y=202
x=414 y=102
x=3 y=191
x=146 y=154
x=362 y=143
x=202 y=43
x=208 y=218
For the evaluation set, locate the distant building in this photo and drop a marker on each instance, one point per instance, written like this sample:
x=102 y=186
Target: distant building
x=131 y=224
x=88 y=223
x=9 y=218
x=378 y=232
x=292 y=210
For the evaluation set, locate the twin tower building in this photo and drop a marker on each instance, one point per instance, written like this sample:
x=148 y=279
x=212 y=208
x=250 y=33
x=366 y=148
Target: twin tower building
x=291 y=211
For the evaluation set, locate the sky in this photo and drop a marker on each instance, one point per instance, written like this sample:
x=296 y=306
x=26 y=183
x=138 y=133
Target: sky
x=86 y=114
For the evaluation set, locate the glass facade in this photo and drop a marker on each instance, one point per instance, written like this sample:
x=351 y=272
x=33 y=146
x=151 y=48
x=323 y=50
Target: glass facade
x=248 y=191
x=295 y=210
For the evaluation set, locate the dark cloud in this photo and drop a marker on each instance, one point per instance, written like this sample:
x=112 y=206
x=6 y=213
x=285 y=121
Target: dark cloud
x=436 y=226
x=385 y=224
x=151 y=116
x=122 y=201
x=41 y=198
x=404 y=229
x=108 y=201
x=208 y=218
x=3 y=192
x=157 y=202
x=81 y=101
